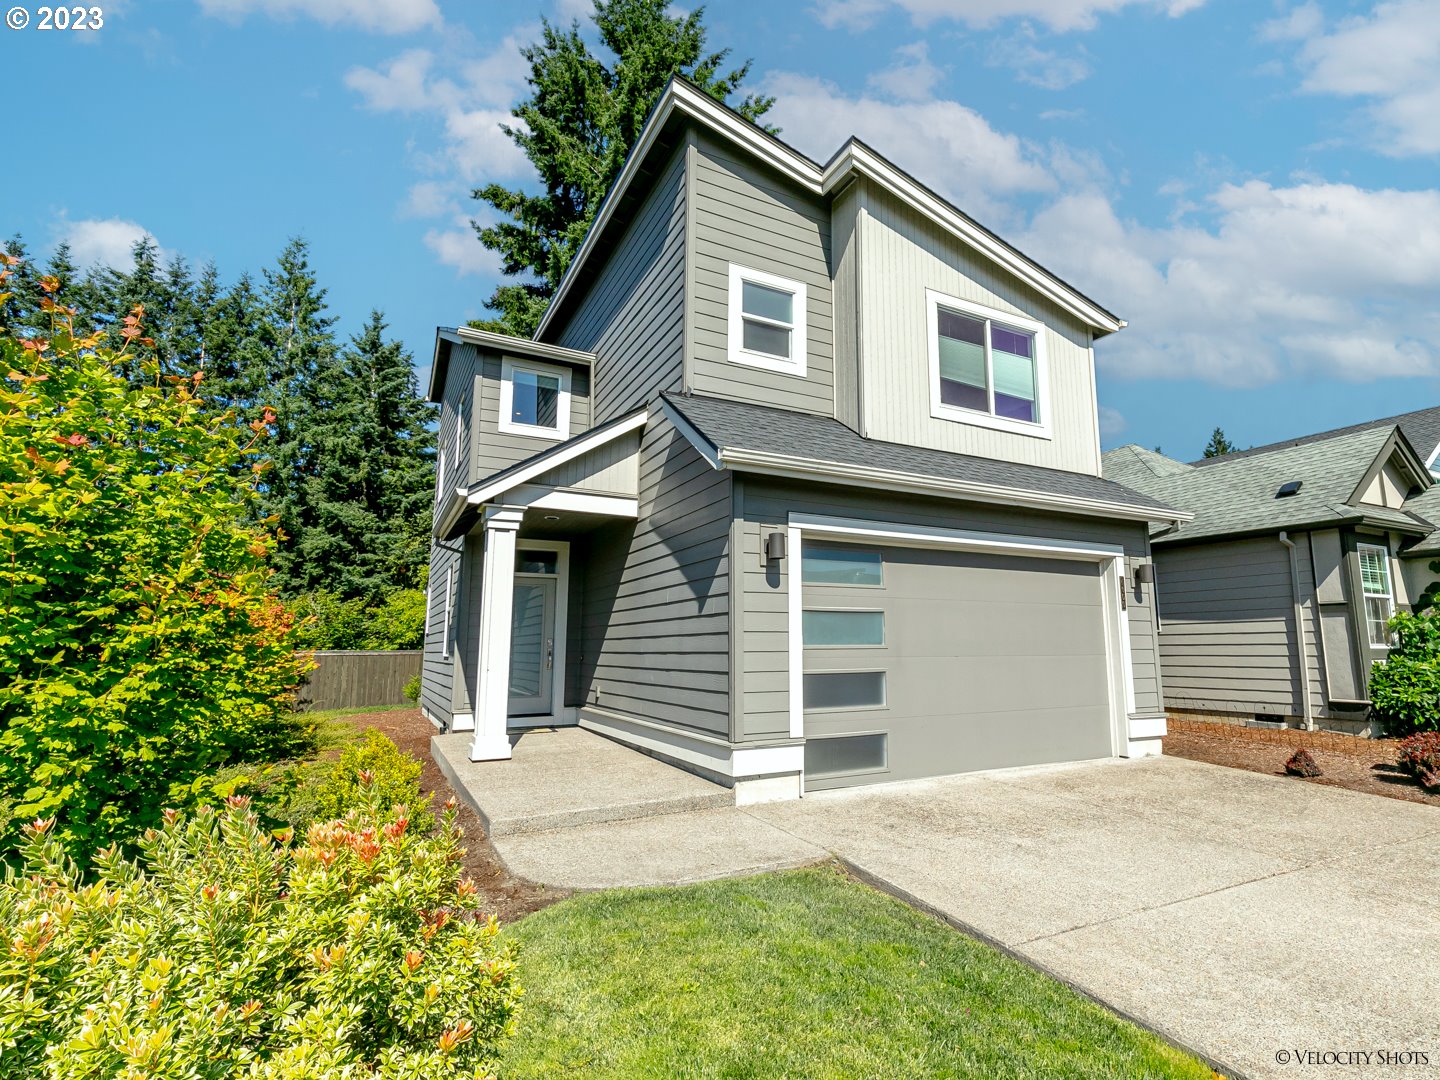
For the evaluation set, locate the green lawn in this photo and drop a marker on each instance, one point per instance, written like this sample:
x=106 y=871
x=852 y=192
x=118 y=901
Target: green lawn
x=800 y=974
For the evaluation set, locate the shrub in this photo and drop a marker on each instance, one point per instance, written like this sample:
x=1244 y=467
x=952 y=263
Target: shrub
x=373 y=768
x=1301 y=763
x=141 y=645
x=223 y=953
x=327 y=621
x=398 y=622
x=1405 y=688
x=1419 y=756
x=412 y=688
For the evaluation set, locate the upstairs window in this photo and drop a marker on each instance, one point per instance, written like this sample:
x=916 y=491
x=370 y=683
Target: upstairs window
x=987 y=367
x=534 y=400
x=1379 y=596
x=767 y=321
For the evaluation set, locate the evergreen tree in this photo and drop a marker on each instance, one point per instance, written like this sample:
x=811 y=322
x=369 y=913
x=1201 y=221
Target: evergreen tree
x=21 y=309
x=577 y=126
x=1219 y=444
x=373 y=470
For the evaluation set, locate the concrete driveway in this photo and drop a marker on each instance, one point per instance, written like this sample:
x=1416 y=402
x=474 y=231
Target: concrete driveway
x=1248 y=917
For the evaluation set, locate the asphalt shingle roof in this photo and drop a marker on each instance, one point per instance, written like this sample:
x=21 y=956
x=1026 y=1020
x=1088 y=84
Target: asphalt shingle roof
x=734 y=425
x=1237 y=493
x=1421 y=427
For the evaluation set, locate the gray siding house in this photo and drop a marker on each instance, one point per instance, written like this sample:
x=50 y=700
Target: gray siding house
x=1273 y=600
x=797 y=486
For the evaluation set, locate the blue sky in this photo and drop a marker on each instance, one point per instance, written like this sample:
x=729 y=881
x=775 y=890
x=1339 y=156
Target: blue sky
x=1252 y=185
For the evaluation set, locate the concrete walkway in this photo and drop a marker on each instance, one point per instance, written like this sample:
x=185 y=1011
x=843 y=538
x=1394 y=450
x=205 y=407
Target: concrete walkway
x=1245 y=916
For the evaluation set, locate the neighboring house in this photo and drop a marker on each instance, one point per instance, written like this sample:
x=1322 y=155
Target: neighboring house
x=798 y=486
x=1331 y=533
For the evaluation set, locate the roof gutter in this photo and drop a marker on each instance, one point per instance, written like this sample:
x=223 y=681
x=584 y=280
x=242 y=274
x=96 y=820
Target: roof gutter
x=1302 y=647
x=781 y=465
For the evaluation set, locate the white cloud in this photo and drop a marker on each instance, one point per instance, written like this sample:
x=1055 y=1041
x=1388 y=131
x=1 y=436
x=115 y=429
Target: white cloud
x=401 y=85
x=102 y=241
x=1310 y=279
x=1297 y=24
x=459 y=247
x=430 y=199
x=1112 y=422
x=378 y=16
x=947 y=146
x=1060 y=15
x=912 y=76
x=1022 y=56
x=1390 y=56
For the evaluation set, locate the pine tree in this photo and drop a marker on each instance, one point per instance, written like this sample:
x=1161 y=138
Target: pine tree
x=577 y=126
x=21 y=309
x=1219 y=444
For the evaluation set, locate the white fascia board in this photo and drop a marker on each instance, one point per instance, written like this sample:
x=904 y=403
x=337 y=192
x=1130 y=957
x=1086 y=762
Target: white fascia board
x=450 y=513
x=859 y=159
x=519 y=346
x=689 y=433
x=889 y=480
x=931 y=536
x=540 y=497
x=576 y=447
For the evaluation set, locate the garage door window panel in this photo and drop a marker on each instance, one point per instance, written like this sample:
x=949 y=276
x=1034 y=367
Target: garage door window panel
x=846 y=755
x=835 y=628
x=833 y=691
x=838 y=564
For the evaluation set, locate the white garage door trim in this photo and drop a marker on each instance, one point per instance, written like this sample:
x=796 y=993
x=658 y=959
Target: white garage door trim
x=1111 y=556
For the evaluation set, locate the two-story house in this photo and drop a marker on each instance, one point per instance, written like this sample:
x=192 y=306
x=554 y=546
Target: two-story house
x=797 y=486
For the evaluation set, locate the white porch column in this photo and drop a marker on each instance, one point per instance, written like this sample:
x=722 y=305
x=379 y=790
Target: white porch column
x=497 y=593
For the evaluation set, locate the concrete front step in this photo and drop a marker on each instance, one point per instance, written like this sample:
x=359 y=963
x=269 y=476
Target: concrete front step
x=558 y=778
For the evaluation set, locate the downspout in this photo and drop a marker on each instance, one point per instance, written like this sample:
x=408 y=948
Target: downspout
x=1300 y=634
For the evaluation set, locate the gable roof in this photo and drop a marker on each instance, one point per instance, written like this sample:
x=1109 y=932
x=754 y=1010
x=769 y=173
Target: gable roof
x=1421 y=427
x=448 y=336
x=682 y=100
x=758 y=438
x=1134 y=465
x=1237 y=494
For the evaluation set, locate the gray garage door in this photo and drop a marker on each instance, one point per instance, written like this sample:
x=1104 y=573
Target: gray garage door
x=923 y=663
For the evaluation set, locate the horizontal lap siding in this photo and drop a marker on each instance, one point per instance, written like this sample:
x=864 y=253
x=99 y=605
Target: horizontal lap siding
x=495 y=449
x=437 y=678
x=457 y=416
x=904 y=255
x=762 y=680
x=632 y=316
x=745 y=216
x=1228 y=612
x=657 y=595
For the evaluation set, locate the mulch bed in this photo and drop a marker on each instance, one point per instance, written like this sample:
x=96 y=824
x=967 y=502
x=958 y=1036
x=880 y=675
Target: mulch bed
x=507 y=896
x=1346 y=761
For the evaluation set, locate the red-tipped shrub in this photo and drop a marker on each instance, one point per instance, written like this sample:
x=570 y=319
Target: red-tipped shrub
x=1420 y=757
x=1301 y=763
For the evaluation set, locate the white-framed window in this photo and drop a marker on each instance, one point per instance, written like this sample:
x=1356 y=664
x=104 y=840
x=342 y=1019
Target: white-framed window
x=1379 y=593
x=767 y=321
x=534 y=399
x=987 y=367
x=445 y=612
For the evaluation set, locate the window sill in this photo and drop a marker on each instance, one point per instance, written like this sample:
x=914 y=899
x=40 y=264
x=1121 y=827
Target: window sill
x=993 y=423
x=796 y=370
x=528 y=432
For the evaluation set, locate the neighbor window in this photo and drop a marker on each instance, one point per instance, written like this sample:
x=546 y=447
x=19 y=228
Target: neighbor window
x=534 y=400
x=1379 y=597
x=986 y=367
x=767 y=321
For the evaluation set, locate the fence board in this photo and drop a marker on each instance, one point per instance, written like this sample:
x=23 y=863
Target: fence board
x=358 y=679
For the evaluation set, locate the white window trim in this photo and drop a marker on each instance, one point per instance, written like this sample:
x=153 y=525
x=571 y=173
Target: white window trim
x=445 y=641
x=796 y=365
x=940 y=411
x=1389 y=597
x=508 y=368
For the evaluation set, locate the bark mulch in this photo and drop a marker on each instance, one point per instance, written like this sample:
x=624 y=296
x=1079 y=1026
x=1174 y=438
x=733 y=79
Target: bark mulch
x=1346 y=761
x=507 y=896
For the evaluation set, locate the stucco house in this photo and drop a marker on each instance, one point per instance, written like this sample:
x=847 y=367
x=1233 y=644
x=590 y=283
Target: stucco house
x=1274 y=599
x=797 y=486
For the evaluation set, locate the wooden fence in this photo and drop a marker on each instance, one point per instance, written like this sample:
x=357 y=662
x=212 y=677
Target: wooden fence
x=356 y=679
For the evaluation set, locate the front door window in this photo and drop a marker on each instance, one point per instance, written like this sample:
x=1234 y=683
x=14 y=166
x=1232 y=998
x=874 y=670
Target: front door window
x=532 y=647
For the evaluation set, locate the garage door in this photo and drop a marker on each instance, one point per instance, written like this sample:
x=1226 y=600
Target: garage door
x=922 y=662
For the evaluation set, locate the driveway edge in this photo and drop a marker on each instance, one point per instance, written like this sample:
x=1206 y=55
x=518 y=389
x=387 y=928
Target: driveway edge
x=880 y=884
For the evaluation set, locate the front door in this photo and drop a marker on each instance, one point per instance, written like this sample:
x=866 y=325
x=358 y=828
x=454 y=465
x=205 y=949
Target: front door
x=532 y=646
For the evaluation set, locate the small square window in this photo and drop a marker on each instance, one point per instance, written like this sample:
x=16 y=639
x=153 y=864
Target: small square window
x=534 y=400
x=767 y=321
x=536 y=562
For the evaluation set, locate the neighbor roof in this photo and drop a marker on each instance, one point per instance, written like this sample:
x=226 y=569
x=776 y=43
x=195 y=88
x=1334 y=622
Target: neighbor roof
x=682 y=99
x=743 y=436
x=1421 y=427
x=1238 y=494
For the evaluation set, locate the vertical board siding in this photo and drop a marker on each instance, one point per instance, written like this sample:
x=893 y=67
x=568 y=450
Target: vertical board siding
x=904 y=256
x=613 y=468
x=1228 y=642
x=353 y=679
x=632 y=316
x=763 y=683
x=495 y=449
x=437 y=677
x=848 y=322
x=657 y=592
x=744 y=215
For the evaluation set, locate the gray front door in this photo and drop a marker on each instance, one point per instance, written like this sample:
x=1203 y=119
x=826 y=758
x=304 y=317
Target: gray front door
x=532 y=647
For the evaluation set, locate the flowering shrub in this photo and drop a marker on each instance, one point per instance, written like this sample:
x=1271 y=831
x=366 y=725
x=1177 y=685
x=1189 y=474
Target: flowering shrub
x=224 y=952
x=1420 y=757
x=140 y=647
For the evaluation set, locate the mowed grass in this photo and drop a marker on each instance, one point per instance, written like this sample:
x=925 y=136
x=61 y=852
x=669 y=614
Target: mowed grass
x=798 y=974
